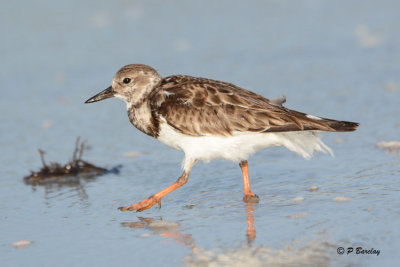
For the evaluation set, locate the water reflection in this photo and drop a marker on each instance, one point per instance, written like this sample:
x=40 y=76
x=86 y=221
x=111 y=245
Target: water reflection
x=66 y=187
x=298 y=253
x=251 y=230
x=171 y=230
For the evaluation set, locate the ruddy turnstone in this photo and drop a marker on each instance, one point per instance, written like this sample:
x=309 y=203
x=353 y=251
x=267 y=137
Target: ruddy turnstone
x=209 y=119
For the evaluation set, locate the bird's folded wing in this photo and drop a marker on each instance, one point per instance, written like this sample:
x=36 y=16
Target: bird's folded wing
x=199 y=107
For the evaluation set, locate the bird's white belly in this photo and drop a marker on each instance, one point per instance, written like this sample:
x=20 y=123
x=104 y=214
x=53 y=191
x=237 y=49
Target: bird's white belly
x=240 y=146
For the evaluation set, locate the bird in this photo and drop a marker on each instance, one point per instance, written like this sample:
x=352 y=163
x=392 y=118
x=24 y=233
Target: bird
x=209 y=119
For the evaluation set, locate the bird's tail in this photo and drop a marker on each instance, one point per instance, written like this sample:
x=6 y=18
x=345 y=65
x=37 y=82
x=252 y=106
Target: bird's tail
x=340 y=126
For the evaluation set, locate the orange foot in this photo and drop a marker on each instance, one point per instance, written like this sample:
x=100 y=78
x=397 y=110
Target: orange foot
x=251 y=198
x=143 y=205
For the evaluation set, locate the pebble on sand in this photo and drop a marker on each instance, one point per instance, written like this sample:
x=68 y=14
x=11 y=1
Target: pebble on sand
x=21 y=244
x=391 y=86
x=392 y=147
x=132 y=154
x=367 y=38
x=298 y=199
x=312 y=188
x=298 y=215
x=341 y=199
x=47 y=124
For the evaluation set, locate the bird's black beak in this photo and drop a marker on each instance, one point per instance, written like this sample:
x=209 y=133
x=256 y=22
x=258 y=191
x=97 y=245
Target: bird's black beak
x=109 y=92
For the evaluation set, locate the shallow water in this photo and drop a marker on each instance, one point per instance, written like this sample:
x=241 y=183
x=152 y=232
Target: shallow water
x=334 y=59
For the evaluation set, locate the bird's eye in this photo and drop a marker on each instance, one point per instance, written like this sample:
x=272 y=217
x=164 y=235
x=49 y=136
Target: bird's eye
x=127 y=80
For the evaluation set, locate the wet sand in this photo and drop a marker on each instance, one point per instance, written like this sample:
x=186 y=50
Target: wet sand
x=332 y=59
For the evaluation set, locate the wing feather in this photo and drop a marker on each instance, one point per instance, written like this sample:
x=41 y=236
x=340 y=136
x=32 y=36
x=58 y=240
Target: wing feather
x=198 y=107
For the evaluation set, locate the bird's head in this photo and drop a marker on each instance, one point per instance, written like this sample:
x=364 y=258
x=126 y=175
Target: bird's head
x=131 y=83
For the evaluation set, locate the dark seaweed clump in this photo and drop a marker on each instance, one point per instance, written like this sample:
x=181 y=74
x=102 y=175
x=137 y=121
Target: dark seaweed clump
x=75 y=168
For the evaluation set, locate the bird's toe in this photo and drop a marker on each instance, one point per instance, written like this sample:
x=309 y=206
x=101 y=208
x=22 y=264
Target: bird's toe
x=251 y=198
x=143 y=205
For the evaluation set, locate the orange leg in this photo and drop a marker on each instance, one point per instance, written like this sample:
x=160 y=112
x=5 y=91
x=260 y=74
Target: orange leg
x=156 y=198
x=248 y=195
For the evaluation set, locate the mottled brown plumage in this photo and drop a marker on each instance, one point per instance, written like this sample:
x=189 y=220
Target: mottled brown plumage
x=198 y=107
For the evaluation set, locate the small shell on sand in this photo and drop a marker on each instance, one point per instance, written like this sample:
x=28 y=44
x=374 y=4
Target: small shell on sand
x=312 y=189
x=21 y=244
x=132 y=154
x=391 y=86
x=392 y=147
x=47 y=124
x=298 y=199
x=341 y=199
x=298 y=215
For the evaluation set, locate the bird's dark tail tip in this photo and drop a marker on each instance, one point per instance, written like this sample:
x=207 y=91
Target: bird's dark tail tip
x=343 y=126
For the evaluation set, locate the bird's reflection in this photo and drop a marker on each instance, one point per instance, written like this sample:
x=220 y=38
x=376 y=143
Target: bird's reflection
x=311 y=253
x=171 y=230
x=251 y=230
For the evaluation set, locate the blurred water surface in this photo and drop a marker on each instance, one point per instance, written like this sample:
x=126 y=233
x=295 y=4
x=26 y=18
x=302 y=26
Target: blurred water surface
x=338 y=59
